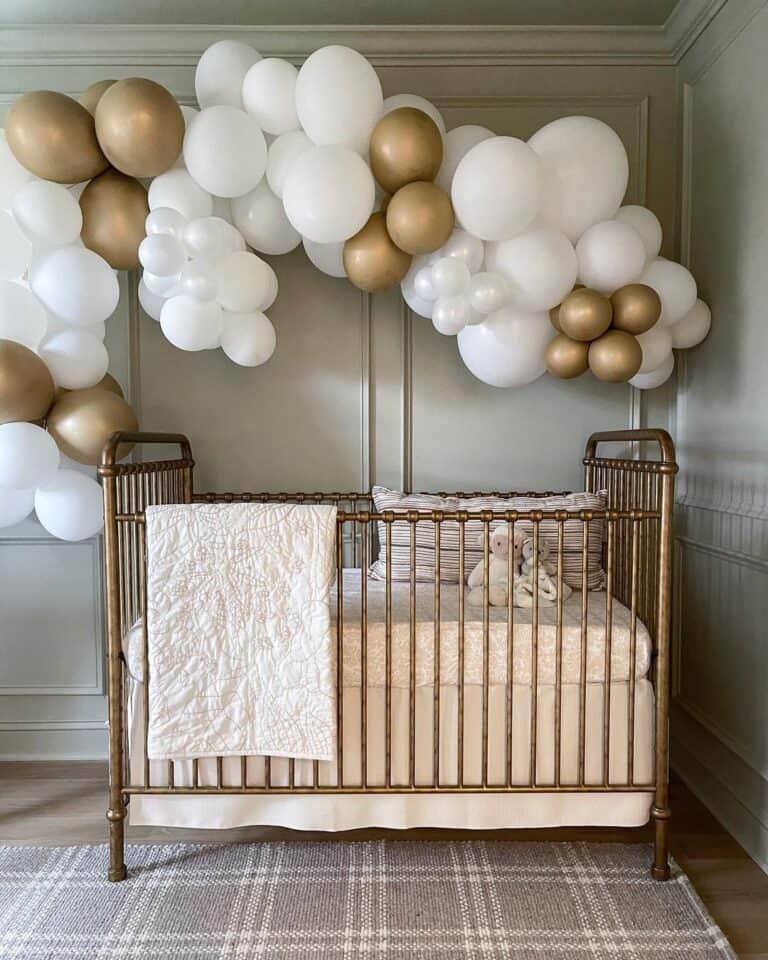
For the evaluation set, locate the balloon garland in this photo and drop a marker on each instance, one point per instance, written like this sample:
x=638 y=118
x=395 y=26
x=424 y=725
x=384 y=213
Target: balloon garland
x=520 y=250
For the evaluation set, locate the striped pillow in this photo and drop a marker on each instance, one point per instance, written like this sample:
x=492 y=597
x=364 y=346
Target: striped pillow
x=385 y=499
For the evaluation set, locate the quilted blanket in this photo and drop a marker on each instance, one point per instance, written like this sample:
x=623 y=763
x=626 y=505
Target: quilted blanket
x=241 y=659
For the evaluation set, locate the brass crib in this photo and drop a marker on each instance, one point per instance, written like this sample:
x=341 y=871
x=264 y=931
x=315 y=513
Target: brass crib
x=637 y=560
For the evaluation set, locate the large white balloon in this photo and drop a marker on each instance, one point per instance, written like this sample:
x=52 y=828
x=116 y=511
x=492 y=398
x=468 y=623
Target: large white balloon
x=160 y=286
x=225 y=151
x=221 y=71
x=15 y=248
x=413 y=100
x=22 y=317
x=338 y=97
x=423 y=284
x=165 y=220
x=282 y=152
x=244 y=282
x=70 y=506
x=655 y=378
x=451 y=314
x=269 y=93
x=176 y=189
x=77 y=285
x=488 y=292
x=327 y=257
x=151 y=303
x=190 y=324
x=272 y=289
x=419 y=305
x=646 y=223
x=496 y=189
x=675 y=286
x=200 y=279
x=76 y=358
x=465 y=247
x=611 y=254
x=48 y=212
x=450 y=277
x=329 y=194
x=261 y=219
x=656 y=345
x=15 y=506
x=162 y=254
x=507 y=350
x=539 y=267
x=586 y=171
x=12 y=175
x=456 y=144
x=28 y=456
x=691 y=329
x=248 y=339
x=211 y=237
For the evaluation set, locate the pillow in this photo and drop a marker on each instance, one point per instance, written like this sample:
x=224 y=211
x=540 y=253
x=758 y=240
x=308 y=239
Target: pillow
x=385 y=499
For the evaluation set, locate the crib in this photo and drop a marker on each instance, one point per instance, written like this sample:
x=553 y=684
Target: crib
x=563 y=704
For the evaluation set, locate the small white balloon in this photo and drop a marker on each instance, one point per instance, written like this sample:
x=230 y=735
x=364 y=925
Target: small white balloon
x=221 y=71
x=70 y=506
x=22 y=316
x=165 y=220
x=12 y=175
x=282 y=153
x=655 y=378
x=656 y=345
x=47 y=211
x=423 y=308
x=190 y=324
x=15 y=248
x=423 y=284
x=211 y=237
x=691 y=329
x=539 y=266
x=261 y=219
x=465 y=247
x=199 y=279
x=162 y=254
x=646 y=224
x=451 y=314
x=327 y=257
x=675 y=286
x=28 y=456
x=15 y=506
x=269 y=93
x=160 y=286
x=450 y=277
x=176 y=189
x=413 y=100
x=272 y=290
x=225 y=151
x=456 y=144
x=151 y=303
x=329 y=194
x=508 y=349
x=488 y=292
x=244 y=282
x=611 y=254
x=248 y=339
x=76 y=358
x=77 y=285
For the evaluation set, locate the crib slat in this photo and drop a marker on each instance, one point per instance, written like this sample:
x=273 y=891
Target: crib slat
x=436 y=676
x=460 y=755
x=509 y=692
x=486 y=650
x=607 y=653
x=632 y=657
x=583 y=652
x=412 y=662
x=534 y=656
x=559 y=651
x=364 y=654
x=388 y=655
x=339 y=655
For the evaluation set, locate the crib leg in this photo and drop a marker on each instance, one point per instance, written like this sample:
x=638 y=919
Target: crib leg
x=660 y=868
x=117 y=869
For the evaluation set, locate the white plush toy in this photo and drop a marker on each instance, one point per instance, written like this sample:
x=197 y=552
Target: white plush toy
x=498 y=567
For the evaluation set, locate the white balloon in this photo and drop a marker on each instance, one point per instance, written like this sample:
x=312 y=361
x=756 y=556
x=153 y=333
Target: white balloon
x=261 y=219
x=12 y=175
x=47 y=211
x=465 y=247
x=165 y=220
x=691 y=329
x=248 y=339
x=646 y=223
x=423 y=285
x=655 y=378
x=77 y=285
x=28 y=456
x=225 y=151
x=162 y=254
x=450 y=277
x=269 y=93
x=76 y=358
x=675 y=286
x=160 y=286
x=488 y=292
x=15 y=248
x=456 y=144
x=327 y=257
x=244 y=282
x=496 y=189
x=338 y=98
x=539 y=267
x=199 y=279
x=418 y=103
x=656 y=345
x=272 y=290
x=222 y=208
x=176 y=189
x=586 y=171
x=15 y=506
x=70 y=506
x=211 y=237
x=282 y=153
x=190 y=324
x=451 y=314
x=329 y=194
x=221 y=71
x=22 y=316
x=508 y=349
x=611 y=254
x=416 y=303
x=151 y=303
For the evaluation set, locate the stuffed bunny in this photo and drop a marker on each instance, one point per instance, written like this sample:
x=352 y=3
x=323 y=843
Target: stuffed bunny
x=498 y=567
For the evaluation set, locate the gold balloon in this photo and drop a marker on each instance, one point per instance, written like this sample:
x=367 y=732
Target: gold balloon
x=406 y=145
x=567 y=358
x=371 y=260
x=636 y=307
x=615 y=357
x=584 y=314
x=140 y=127
x=53 y=136
x=554 y=318
x=91 y=96
x=107 y=382
x=81 y=422
x=114 y=210
x=26 y=386
x=420 y=217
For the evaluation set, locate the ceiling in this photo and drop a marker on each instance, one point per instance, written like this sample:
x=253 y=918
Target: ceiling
x=578 y=13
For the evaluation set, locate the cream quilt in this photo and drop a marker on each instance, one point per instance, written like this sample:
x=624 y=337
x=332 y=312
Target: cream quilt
x=241 y=659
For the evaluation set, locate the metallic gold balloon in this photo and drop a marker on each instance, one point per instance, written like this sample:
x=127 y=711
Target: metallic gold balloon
x=420 y=217
x=53 y=136
x=140 y=127
x=406 y=145
x=371 y=260
x=114 y=210
x=107 y=382
x=26 y=386
x=584 y=314
x=615 y=357
x=567 y=358
x=554 y=318
x=636 y=307
x=91 y=96
x=81 y=422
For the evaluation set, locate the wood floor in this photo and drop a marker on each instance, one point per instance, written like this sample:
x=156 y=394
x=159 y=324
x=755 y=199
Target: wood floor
x=56 y=803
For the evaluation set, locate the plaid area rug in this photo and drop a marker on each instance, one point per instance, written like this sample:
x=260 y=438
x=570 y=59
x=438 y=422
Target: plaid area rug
x=400 y=899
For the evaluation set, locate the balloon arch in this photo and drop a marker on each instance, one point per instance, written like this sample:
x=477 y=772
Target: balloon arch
x=521 y=250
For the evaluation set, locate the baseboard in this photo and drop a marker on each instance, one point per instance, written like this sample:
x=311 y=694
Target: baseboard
x=54 y=744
